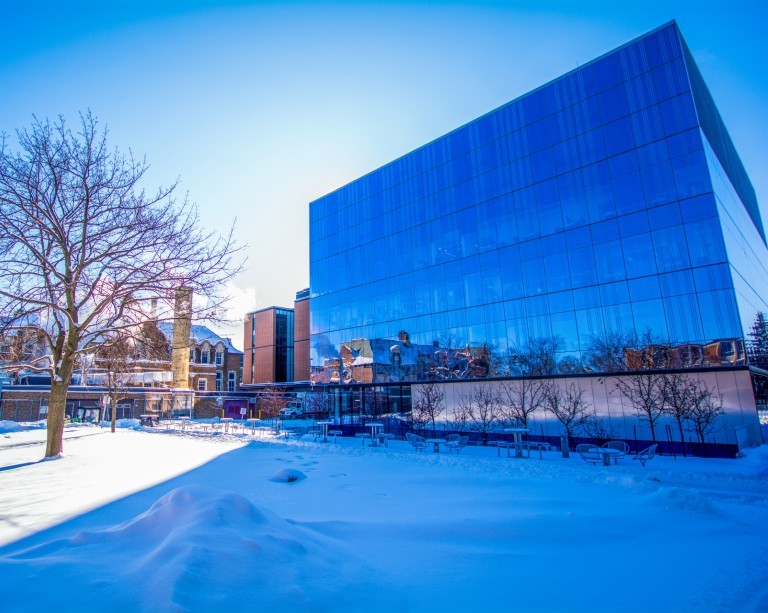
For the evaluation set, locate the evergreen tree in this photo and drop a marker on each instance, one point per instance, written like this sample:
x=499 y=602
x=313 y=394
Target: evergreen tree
x=757 y=345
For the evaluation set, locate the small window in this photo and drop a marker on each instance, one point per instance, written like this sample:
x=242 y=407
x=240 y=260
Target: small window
x=204 y=357
x=219 y=358
x=218 y=381
x=201 y=385
x=231 y=382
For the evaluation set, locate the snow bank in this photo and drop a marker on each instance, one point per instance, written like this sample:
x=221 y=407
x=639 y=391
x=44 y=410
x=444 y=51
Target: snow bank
x=15 y=426
x=196 y=548
x=122 y=423
x=10 y=426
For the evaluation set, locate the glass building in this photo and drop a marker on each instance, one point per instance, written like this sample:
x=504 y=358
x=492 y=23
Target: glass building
x=607 y=206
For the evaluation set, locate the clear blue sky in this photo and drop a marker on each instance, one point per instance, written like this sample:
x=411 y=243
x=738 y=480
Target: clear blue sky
x=261 y=107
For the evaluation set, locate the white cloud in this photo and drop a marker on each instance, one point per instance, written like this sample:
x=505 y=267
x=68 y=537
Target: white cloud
x=242 y=300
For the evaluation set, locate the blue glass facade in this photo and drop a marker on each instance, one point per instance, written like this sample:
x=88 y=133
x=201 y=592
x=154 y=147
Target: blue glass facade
x=608 y=203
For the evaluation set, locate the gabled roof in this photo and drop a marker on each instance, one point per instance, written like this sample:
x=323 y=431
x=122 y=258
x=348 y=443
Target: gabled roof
x=199 y=334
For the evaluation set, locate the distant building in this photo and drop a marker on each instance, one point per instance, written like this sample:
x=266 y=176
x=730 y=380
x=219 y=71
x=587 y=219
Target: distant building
x=215 y=369
x=21 y=343
x=215 y=364
x=301 y=336
x=269 y=346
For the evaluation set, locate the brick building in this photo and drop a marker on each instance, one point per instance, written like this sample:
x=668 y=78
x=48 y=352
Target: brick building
x=215 y=364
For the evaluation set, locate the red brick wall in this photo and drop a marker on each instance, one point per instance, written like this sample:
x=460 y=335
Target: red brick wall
x=301 y=340
x=247 y=346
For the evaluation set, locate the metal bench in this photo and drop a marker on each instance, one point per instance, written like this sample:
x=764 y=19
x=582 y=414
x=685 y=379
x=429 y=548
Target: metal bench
x=296 y=433
x=539 y=446
x=419 y=443
x=457 y=444
x=646 y=454
x=384 y=438
x=502 y=445
x=590 y=453
x=619 y=449
x=362 y=436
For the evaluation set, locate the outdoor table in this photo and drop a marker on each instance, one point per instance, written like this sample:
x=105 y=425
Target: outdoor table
x=436 y=442
x=325 y=425
x=374 y=427
x=517 y=434
x=608 y=455
x=252 y=421
x=183 y=419
x=226 y=421
x=384 y=438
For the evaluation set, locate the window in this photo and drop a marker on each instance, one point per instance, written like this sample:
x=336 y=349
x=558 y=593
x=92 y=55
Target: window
x=218 y=381
x=219 y=358
x=202 y=385
x=231 y=382
x=205 y=357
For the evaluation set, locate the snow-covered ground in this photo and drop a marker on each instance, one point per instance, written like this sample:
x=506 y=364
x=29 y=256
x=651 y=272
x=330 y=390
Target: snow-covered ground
x=146 y=520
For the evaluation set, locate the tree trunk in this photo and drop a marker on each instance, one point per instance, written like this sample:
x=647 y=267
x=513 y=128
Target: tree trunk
x=682 y=435
x=113 y=414
x=57 y=406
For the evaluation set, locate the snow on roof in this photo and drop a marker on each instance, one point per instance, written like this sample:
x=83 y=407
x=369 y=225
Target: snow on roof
x=20 y=321
x=199 y=334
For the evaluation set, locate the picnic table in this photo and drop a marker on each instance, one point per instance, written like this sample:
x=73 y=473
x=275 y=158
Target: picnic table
x=517 y=434
x=436 y=442
x=149 y=419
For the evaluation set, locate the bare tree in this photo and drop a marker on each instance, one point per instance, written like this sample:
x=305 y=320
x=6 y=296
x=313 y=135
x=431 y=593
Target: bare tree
x=606 y=353
x=113 y=358
x=644 y=386
x=569 y=407
x=374 y=404
x=482 y=405
x=599 y=429
x=428 y=404
x=706 y=410
x=520 y=398
x=679 y=395
x=570 y=365
x=460 y=418
x=317 y=403
x=535 y=358
x=85 y=249
x=645 y=393
x=270 y=402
